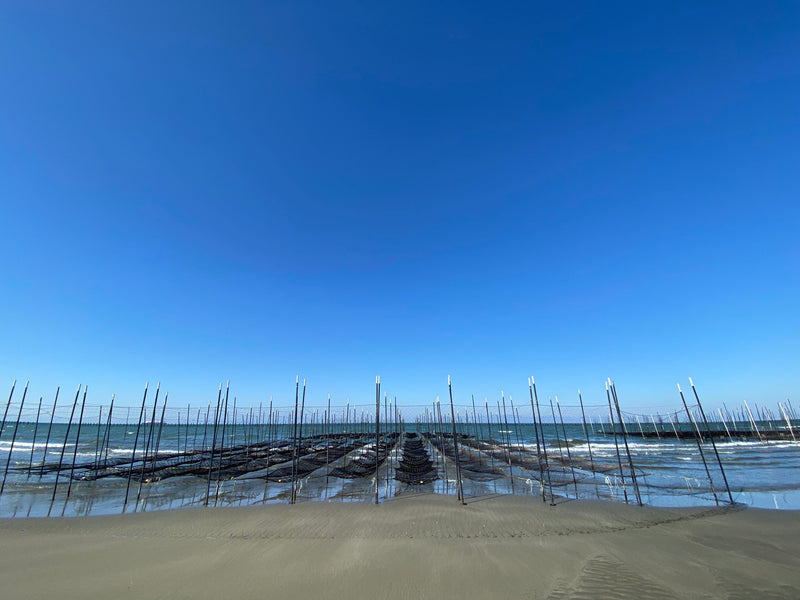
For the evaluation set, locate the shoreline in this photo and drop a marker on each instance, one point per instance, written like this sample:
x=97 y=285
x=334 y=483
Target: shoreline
x=424 y=546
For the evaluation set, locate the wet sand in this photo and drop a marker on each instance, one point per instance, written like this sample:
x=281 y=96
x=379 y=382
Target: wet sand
x=410 y=547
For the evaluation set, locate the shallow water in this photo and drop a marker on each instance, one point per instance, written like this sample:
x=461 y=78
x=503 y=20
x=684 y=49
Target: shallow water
x=669 y=472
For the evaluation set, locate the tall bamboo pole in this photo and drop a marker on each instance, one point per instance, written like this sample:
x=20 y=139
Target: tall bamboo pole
x=713 y=443
x=538 y=449
x=616 y=442
x=585 y=431
x=77 y=443
x=49 y=431
x=294 y=436
x=107 y=434
x=222 y=442
x=8 y=405
x=625 y=440
x=783 y=412
x=161 y=425
x=13 y=439
x=544 y=444
x=698 y=439
x=63 y=449
x=566 y=441
x=35 y=431
x=377 y=430
x=508 y=440
x=147 y=444
x=455 y=445
x=213 y=445
x=299 y=444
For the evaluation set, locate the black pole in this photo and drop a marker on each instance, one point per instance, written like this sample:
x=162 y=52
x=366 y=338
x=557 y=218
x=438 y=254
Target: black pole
x=299 y=444
x=713 y=444
x=213 y=445
x=455 y=445
x=77 y=442
x=49 y=431
x=269 y=449
x=585 y=431
x=186 y=433
x=294 y=436
x=161 y=425
x=107 y=434
x=441 y=443
x=63 y=449
x=697 y=439
x=475 y=419
x=627 y=449
x=508 y=440
x=377 y=429
x=544 y=444
x=13 y=439
x=97 y=446
x=328 y=440
x=8 y=405
x=558 y=435
x=616 y=443
x=538 y=448
x=566 y=441
x=205 y=426
x=35 y=431
x=147 y=443
x=222 y=442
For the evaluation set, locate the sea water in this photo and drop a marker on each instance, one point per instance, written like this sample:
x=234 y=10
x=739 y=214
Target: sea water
x=669 y=472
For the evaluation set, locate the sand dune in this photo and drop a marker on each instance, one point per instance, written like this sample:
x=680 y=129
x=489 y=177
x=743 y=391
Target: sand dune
x=413 y=547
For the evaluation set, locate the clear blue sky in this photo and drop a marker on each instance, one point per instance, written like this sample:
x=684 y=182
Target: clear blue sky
x=193 y=192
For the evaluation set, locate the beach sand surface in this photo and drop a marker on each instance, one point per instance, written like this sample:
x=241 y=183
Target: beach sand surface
x=425 y=546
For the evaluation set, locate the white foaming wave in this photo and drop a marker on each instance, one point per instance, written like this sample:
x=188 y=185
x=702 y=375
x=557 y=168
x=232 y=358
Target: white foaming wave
x=20 y=446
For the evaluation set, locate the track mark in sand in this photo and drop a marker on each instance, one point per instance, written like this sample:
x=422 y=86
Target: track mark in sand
x=767 y=590
x=316 y=528
x=748 y=548
x=602 y=577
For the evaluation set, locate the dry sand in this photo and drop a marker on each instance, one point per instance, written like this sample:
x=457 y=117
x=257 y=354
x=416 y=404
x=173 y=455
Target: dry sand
x=413 y=547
